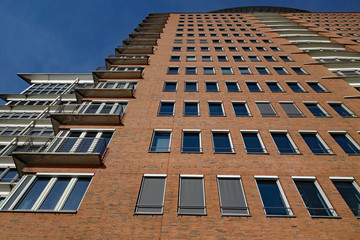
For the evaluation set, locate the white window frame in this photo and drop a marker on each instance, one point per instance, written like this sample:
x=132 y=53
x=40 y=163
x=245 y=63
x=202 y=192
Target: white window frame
x=246 y=106
x=152 y=140
x=258 y=136
x=203 y=185
x=191 y=131
x=322 y=193
x=317 y=135
x=318 y=105
x=192 y=101
x=221 y=104
x=346 y=135
x=166 y=101
x=193 y=56
x=288 y=137
x=231 y=70
x=298 y=84
x=282 y=193
x=229 y=137
x=343 y=106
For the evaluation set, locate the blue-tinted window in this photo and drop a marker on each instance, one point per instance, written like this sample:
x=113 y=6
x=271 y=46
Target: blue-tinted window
x=253 y=86
x=254 y=58
x=295 y=87
x=345 y=143
x=160 y=142
x=270 y=58
x=283 y=143
x=54 y=195
x=77 y=194
x=221 y=142
x=191 y=109
x=238 y=58
x=174 y=58
x=312 y=198
x=211 y=87
x=215 y=109
x=173 y=70
x=271 y=198
x=191 y=86
x=252 y=142
x=9 y=175
x=191 y=142
x=339 y=108
x=262 y=70
x=316 y=110
x=274 y=87
x=316 y=87
x=286 y=58
x=350 y=194
x=166 y=109
x=190 y=70
x=226 y=70
x=232 y=87
x=222 y=58
x=314 y=143
x=244 y=70
x=299 y=70
x=240 y=110
x=209 y=70
x=280 y=70
x=33 y=194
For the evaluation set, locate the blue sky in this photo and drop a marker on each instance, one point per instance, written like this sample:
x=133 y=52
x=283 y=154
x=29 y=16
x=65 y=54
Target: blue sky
x=75 y=36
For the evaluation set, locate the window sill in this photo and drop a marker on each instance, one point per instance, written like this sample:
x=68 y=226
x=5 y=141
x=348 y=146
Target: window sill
x=261 y=153
x=235 y=215
x=191 y=214
x=224 y=152
x=333 y=217
x=191 y=152
x=140 y=213
x=291 y=154
x=281 y=216
x=159 y=152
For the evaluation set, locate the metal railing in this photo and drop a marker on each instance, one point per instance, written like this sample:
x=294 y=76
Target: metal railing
x=137 y=46
x=66 y=145
x=92 y=109
x=127 y=69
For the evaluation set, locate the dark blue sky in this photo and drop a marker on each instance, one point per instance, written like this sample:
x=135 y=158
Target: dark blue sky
x=74 y=36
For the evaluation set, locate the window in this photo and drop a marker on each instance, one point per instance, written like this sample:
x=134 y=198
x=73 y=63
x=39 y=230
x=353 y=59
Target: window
x=247 y=49
x=316 y=110
x=173 y=70
x=176 y=49
x=263 y=70
x=190 y=70
x=313 y=197
x=317 y=87
x=254 y=58
x=160 y=141
x=191 y=195
x=233 y=49
x=254 y=41
x=170 y=86
x=267 y=41
x=280 y=70
x=295 y=87
x=299 y=70
x=151 y=194
x=241 y=109
x=191 y=141
x=211 y=87
x=190 y=40
x=204 y=49
x=265 y=109
x=350 y=192
x=208 y=70
x=226 y=70
x=219 y=49
x=232 y=196
x=177 y=40
x=191 y=58
x=275 y=49
x=166 y=108
x=216 y=109
x=191 y=109
x=190 y=49
x=203 y=40
x=346 y=143
x=272 y=196
x=9 y=175
x=252 y=141
x=238 y=58
x=232 y=86
x=253 y=87
x=191 y=87
x=261 y=49
x=244 y=70
x=291 y=109
x=286 y=58
x=175 y=58
x=274 y=87
x=215 y=40
x=270 y=59
x=222 y=142
x=342 y=110
x=222 y=58
x=315 y=143
x=283 y=142
x=206 y=58
x=48 y=192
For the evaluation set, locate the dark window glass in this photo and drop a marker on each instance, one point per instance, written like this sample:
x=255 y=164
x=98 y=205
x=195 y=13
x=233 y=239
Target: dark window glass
x=312 y=198
x=266 y=109
x=240 y=110
x=161 y=142
x=280 y=70
x=270 y=58
x=211 y=87
x=166 y=109
x=253 y=87
x=345 y=143
x=285 y=58
x=274 y=87
x=291 y=110
x=175 y=58
x=191 y=142
x=341 y=110
x=316 y=110
x=173 y=70
x=238 y=58
x=298 y=70
x=77 y=194
x=222 y=58
x=314 y=143
x=232 y=87
x=54 y=195
x=215 y=109
x=295 y=87
x=190 y=86
x=9 y=176
x=283 y=143
x=252 y=143
x=33 y=194
x=191 y=109
x=271 y=198
x=316 y=87
x=221 y=142
x=190 y=70
x=262 y=70
x=254 y=58
x=350 y=194
x=244 y=70
x=209 y=70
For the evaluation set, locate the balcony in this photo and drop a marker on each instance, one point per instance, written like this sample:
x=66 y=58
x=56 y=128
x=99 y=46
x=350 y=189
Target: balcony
x=107 y=90
x=60 y=152
x=155 y=20
x=140 y=41
x=126 y=60
x=87 y=114
x=117 y=73
x=152 y=24
x=134 y=50
x=144 y=35
x=149 y=29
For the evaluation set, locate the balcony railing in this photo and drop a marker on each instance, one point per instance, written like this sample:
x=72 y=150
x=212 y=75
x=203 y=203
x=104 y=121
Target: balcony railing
x=140 y=41
x=117 y=73
x=60 y=151
x=145 y=35
x=126 y=60
x=115 y=89
x=134 y=50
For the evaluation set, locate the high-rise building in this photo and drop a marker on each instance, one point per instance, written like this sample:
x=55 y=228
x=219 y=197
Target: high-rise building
x=236 y=124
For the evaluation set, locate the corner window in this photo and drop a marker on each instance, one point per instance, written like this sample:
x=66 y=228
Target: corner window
x=222 y=142
x=166 y=108
x=160 y=141
x=241 y=109
x=151 y=194
x=191 y=195
x=350 y=192
x=253 y=142
x=346 y=143
x=314 y=198
x=170 y=86
x=232 y=196
x=191 y=141
x=48 y=192
x=273 y=197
